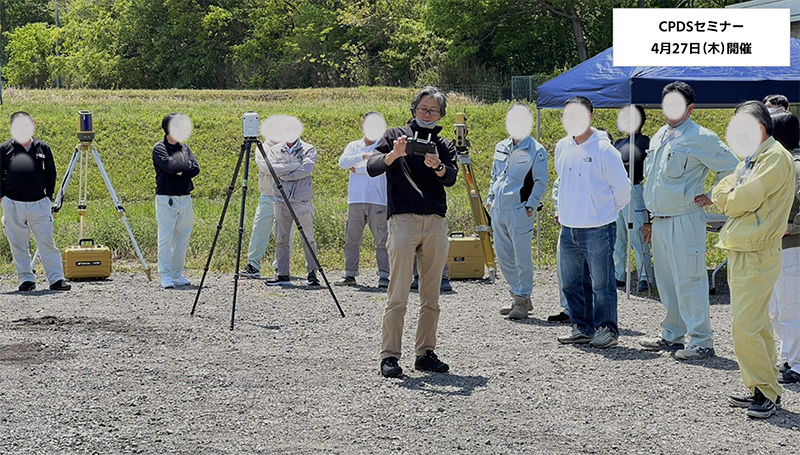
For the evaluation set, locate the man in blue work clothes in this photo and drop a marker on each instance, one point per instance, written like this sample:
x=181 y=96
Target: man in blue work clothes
x=681 y=155
x=518 y=183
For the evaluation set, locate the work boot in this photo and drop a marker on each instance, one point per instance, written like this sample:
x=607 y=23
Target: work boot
x=519 y=310
x=507 y=309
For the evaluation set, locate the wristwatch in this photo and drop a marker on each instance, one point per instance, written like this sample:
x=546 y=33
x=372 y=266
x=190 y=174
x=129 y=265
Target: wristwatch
x=439 y=167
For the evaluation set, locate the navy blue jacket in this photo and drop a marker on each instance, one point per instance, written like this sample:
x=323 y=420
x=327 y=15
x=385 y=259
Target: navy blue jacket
x=27 y=175
x=175 y=166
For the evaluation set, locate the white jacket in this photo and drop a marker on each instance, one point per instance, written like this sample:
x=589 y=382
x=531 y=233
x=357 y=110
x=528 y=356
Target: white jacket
x=593 y=185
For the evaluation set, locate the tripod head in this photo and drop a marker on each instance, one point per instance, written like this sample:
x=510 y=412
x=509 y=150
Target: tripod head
x=462 y=143
x=85 y=131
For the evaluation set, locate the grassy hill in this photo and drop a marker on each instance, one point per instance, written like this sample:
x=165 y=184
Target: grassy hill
x=128 y=122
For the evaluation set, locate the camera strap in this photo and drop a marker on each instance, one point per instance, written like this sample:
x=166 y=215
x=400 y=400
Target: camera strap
x=407 y=173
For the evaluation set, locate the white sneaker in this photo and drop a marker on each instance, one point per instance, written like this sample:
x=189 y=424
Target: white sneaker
x=167 y=283
x=694 y=353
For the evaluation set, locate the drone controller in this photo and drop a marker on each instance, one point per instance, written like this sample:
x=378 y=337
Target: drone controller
x=420 y=147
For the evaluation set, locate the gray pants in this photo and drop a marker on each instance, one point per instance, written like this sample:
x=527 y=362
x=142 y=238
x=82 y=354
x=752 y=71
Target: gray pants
x=19 y=220
x=283 y=229
x=358 y=216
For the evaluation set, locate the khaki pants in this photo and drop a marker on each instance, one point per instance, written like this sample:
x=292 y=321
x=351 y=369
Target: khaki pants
x=751 y=277
x=284 y=224
x=423 y=236
x=360 y=215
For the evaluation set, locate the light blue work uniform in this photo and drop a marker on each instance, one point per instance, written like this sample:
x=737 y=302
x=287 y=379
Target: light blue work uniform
x=519 y=180
x=676 y=167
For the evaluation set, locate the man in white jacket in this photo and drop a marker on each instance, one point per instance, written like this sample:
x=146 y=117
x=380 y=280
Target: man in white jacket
x=593 y=188
x=366 y=206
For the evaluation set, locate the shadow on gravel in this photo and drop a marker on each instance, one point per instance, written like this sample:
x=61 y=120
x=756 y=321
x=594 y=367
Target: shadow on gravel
x=630 y=333
x=716 y=363
x=544 y=323
x=259 y=326
x=36 y=292
x=191 y=287
x=785 y=419
x=619 y=352
x=369 y=289
x=536 y=321
x=444 y=384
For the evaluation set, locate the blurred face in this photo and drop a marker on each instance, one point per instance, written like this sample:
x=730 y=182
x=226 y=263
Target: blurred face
x=373 y=127
x=676 y=108
x=745 y=134
x=576 y=119
x=22 y=130
x=428 y=109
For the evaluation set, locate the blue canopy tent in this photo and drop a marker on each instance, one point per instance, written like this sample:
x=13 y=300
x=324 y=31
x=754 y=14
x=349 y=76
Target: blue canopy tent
x=614 y=87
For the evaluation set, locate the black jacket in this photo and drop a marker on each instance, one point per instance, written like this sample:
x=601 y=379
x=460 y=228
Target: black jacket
x=640 y=145
x=413 y=187
x=27 y=175
x=169 y=160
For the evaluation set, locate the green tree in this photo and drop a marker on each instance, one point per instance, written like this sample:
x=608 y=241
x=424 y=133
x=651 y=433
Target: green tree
x=89 y=55
x=30 y=51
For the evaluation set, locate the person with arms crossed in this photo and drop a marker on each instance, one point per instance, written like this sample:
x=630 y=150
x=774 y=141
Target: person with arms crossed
x=757 y=199
x=366 y=206
x=175 y=166
x=293 y=163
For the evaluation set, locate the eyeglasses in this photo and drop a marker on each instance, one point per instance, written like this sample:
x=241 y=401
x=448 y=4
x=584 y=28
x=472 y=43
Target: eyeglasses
x=427 y=111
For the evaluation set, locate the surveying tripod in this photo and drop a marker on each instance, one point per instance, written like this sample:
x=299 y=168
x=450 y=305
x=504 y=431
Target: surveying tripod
x=475 y=202
x=80 y=158
x=249 y=119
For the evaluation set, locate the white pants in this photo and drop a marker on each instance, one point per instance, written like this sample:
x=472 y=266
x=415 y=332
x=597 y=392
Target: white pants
x=784 y=307
x=175 y=217
x=19 y=220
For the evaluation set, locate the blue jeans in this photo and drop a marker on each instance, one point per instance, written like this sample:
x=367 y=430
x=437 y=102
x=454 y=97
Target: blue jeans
x=586 y=267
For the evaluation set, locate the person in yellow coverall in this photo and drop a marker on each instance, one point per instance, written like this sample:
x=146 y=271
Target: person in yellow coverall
x=757 y=198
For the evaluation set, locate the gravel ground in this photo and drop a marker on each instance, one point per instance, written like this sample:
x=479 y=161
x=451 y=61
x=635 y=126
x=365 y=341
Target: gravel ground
x=120 y=366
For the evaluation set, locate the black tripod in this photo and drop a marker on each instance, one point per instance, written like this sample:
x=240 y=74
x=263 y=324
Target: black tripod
x=244 y=153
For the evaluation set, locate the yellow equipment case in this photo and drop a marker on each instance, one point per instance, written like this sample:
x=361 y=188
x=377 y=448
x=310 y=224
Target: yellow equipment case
x=87 y=262
x=465 y=258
